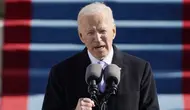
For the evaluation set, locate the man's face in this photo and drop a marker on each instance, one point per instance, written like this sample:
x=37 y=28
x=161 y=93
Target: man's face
x=97 y=32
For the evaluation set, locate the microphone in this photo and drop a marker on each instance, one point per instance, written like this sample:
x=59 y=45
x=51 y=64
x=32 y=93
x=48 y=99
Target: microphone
x=92 y=78
x=112 y=77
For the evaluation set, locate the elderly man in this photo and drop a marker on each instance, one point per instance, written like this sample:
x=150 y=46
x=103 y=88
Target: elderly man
x=67 y=89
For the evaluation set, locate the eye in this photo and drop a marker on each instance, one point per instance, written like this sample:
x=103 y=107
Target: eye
x=90 y=33
x=103 y=31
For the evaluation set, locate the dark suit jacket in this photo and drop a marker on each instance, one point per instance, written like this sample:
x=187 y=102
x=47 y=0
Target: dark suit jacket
x=136 y=90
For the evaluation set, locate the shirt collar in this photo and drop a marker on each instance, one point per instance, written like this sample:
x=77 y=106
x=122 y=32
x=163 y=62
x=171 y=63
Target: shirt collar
x=107 y=59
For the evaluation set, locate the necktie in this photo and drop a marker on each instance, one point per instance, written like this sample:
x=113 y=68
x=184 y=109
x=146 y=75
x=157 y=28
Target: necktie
x=102 y=84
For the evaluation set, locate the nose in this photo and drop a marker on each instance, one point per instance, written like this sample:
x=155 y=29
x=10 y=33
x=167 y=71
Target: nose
x=98 y=37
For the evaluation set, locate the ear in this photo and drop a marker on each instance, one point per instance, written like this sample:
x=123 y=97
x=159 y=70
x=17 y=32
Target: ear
x=114 y=31
x=81 y=37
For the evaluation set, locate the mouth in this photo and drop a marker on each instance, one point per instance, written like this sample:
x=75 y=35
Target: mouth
x=99 y=47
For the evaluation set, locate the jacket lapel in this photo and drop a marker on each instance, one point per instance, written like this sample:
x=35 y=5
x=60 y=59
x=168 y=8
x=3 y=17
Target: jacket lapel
x=82 y=63
x=118 y=58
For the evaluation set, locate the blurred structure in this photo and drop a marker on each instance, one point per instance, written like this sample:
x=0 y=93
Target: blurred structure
x=41 y=33
x=1 y=41
x=1 y=9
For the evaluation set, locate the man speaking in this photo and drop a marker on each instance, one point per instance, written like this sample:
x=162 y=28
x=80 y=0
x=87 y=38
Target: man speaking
x=100 y=77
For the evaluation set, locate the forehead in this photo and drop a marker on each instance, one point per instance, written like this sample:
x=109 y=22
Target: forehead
x=94 y=19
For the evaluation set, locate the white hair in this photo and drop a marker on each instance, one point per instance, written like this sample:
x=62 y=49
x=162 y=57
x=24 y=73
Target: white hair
x=94 y=8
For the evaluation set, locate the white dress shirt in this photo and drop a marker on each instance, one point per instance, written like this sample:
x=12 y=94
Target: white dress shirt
x=107 y=61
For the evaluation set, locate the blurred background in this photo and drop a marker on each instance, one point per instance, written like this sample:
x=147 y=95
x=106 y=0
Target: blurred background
x=37 y=34
x=1 y=9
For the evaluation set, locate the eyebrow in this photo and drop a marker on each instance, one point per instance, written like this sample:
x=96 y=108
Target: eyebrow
x=90 y=30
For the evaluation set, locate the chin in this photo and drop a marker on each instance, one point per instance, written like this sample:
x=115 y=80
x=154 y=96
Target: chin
x=101 y=56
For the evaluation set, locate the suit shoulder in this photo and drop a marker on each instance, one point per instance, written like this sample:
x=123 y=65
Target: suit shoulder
x=136 y=66
x=134 y=59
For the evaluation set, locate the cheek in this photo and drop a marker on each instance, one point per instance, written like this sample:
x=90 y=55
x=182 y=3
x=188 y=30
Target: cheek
x=108 y=39
x=88 y=41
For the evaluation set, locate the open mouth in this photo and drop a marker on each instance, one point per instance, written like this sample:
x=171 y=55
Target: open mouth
x=100 y=47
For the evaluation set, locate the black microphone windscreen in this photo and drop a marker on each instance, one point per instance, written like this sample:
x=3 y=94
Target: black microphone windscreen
x=93 y=72
x=112 y=72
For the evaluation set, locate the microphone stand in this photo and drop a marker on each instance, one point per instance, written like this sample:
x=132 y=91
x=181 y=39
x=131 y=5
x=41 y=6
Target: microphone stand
x=111 y=91
x=93 y=90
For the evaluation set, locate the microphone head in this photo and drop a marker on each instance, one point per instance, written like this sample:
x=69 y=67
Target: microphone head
x=112 y=74
x=93 y=72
